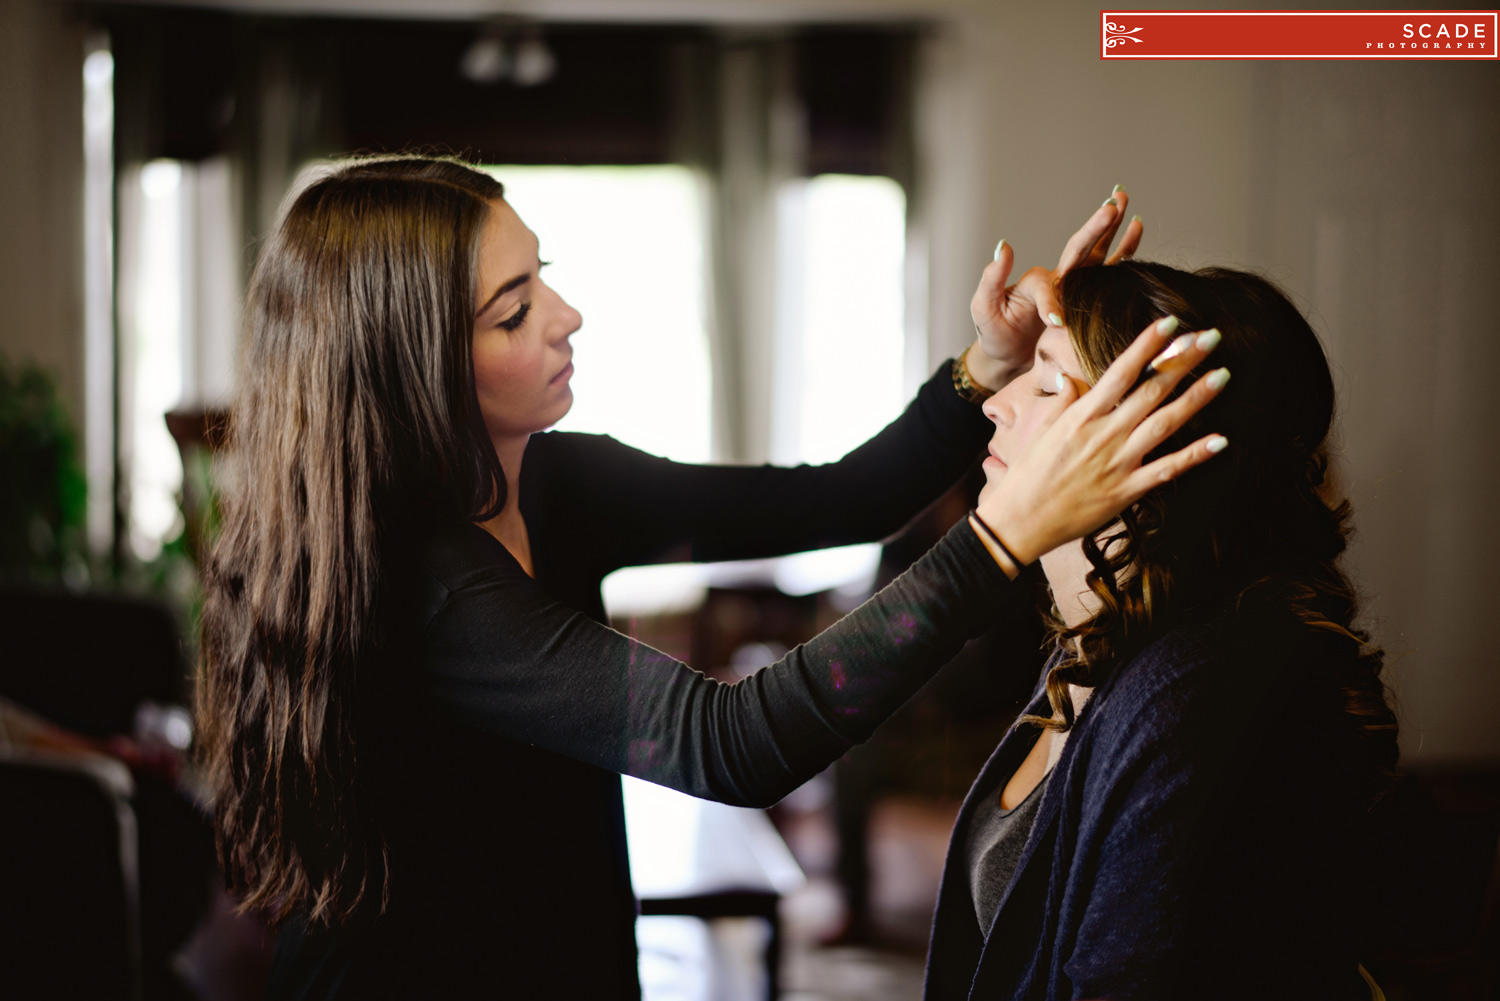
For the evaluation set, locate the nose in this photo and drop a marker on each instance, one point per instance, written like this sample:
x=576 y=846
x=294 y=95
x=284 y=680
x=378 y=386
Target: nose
x=997 y=411
x=568 y=319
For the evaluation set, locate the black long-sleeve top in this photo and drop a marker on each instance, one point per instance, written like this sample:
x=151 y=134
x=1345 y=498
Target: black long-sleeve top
x=496 y=751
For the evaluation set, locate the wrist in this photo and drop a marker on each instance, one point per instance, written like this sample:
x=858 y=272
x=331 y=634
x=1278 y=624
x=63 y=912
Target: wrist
x=990 y=373
x=1022 y=531
x=1008 y=562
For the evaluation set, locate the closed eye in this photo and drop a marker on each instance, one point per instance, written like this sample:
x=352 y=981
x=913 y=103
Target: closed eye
x=515 y=319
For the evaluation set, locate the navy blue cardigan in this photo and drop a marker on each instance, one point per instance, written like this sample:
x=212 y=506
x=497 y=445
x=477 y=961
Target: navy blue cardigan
x=1198 y=837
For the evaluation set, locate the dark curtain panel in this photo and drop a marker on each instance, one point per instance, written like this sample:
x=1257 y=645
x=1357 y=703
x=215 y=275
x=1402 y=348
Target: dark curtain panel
x=193 y=83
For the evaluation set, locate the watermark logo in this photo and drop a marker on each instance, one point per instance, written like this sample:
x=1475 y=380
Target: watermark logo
x=1118 y=34
x=1312 y=34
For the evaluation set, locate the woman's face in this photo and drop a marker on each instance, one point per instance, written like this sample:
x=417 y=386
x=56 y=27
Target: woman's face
x=1019 y=409
x=522 y=359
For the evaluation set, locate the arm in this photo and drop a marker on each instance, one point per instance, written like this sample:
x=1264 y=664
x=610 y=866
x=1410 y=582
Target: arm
x=657 y=510
x=502 y=657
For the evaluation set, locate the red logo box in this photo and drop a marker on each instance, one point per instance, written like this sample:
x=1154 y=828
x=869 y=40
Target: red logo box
x=1310 y=34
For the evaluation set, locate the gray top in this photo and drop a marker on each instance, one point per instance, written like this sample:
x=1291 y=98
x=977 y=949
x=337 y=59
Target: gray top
x=995 y=840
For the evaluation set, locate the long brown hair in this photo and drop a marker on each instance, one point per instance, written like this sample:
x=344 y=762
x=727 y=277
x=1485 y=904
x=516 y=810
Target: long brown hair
x=357 y=408
x=1252 y=533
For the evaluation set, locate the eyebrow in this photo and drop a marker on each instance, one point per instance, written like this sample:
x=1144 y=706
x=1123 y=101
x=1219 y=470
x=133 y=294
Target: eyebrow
x=509 y=286
x=1046 y=358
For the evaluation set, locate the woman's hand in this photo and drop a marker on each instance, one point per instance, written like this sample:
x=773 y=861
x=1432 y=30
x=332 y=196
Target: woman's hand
x=1084 y=465
x=1009 y=319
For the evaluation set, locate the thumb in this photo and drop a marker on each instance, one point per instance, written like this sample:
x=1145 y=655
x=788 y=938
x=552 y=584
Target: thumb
x=1066 y=390
x=1064 y=394
x=1047 y=306
x=991 y=291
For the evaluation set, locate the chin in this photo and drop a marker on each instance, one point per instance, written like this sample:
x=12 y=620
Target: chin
x=992 y=480
x=562 y=409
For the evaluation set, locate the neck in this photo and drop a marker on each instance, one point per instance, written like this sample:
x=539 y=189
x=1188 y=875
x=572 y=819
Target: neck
x=509 y=526
x=1066 y=568
x=511 y=451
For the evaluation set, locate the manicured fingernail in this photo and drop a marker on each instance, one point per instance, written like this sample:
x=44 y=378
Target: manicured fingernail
x=1117 y=190
x=1135 y=218
x=1056 y=320
x=1208 y=340
x=1174 y=349
x=1167 y=326
x=999 y=247
x=1062 y=382
x=1217 y=444
x=1109 y=201
x=1218 y=379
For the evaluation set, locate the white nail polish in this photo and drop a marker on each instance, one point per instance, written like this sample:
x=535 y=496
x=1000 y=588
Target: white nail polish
x=1174 y=349
x=1062 y=382
x=1167 y=326
x=1208 y=340
x=1218 y=378
x=1216 y=444
x=999 y=247
x=1056 y=320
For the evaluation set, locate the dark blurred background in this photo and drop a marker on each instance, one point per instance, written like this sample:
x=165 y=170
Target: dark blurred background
x=792 y=178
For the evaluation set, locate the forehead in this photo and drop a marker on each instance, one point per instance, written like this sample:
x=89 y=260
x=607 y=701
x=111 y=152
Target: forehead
x=507 y=242
x=1058 y=348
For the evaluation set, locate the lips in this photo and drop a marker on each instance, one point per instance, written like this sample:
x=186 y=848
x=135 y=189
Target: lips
x=996 y=459
x=567 y=370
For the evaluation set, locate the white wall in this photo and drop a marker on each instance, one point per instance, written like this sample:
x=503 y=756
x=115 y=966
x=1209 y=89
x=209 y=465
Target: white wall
x=1367 y=190
x=41 y=184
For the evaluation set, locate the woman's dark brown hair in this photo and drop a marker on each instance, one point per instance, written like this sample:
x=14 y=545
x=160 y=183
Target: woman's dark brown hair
x=357 y=407
x=1252 y=533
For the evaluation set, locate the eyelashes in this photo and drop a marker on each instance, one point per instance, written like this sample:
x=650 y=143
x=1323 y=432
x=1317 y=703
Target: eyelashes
x=515 y=319
x=519 y=316
x=1043 y=392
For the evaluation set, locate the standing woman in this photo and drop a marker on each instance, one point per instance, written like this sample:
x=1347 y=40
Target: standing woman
x=413 y=715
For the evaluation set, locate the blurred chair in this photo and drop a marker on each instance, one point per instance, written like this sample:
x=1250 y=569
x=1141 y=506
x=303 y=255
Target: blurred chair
x=70 y=922
x=87 y=664
x=87 y=661
x=1436 y=917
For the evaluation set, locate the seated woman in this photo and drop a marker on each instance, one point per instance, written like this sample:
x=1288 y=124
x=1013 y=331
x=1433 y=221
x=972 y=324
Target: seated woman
x=1179 y=813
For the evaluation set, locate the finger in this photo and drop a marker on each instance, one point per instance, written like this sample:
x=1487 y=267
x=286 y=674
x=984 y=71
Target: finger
x=1130 y=242
x=1100 y=248
x=1169 y=467
x=1165 y=372
x=1036 y=286
x=1162 y=424
x=990 y=294
x=1083 y=241
x=1124 y=370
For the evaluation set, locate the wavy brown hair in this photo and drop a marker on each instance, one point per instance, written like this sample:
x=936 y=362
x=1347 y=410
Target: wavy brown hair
x=1253 y=533
x=357 y=408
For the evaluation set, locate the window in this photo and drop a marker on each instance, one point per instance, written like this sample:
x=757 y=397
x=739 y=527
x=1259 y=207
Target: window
x=627 y=251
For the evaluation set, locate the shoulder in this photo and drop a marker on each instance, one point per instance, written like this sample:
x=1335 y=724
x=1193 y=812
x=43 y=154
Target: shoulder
x=447 y=559
x=564 y=449
x=1206 y=684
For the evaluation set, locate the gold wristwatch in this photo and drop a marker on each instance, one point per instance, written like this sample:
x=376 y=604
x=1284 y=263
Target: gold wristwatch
x=964 y=384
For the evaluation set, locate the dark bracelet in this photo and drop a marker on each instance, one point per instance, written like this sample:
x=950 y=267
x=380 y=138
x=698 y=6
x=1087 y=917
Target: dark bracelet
x=974 y=513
